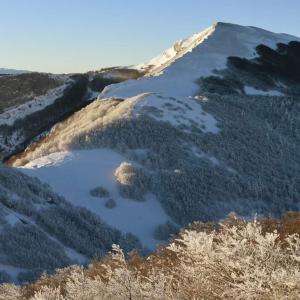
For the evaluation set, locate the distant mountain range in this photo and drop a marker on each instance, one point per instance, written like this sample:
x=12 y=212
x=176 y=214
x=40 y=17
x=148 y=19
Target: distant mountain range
x=4 y=71
x=208 y=127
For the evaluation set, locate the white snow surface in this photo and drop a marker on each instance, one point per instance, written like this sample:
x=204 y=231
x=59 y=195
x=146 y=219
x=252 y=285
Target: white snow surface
x=180 y=48
x=172 y=84
x=249 y=90
x=176 y=73
x=176 y=111
x=74 y=174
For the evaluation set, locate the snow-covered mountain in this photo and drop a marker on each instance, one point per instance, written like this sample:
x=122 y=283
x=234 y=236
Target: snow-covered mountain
x=179 y=49
x=212 y=127
x=200 y=56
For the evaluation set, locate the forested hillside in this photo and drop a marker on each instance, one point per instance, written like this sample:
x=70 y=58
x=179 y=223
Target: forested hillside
x=40 y=231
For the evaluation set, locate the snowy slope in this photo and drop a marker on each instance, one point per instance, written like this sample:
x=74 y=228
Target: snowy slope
x=175 y=111
x=176 y=71
x=179 y=49
x=204 y=53
x=40 y=231
x=74 y=174
x=156 y=114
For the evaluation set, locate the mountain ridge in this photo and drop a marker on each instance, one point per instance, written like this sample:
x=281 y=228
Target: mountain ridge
x=194 y=41
x=6 y=71
x=127 y=114
x=215 y=131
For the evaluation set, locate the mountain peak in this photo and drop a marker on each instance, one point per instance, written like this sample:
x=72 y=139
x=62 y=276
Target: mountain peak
x=179 y=49
x=223 y=37
x=201 y=55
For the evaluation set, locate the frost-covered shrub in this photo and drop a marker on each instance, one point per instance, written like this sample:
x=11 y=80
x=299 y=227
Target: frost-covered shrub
x=133 y=181
x=99 y=192
x=232 y=260
x=223 y=264
x=165 y=231
x=10 y=292
x=110 y=203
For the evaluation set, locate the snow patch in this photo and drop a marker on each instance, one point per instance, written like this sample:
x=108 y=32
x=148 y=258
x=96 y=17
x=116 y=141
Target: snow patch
x=176 y=111
x=74 y=174
x=249 y=90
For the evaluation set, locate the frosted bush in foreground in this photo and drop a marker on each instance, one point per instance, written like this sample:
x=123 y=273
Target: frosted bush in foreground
x=9 y=292
x=239 y=263
x=233 y=260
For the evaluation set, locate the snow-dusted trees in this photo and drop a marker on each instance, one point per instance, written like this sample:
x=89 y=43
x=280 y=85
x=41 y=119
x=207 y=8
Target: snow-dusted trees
x=37 y=226
x=99 y=192
x=271 y=69
x=256 y=151
x=4 y=277
x=110 y=203
x=232 y=260
x=164 y=231
x=133 y=181
x=24 y=129
x=20 y=242
x=79 y=229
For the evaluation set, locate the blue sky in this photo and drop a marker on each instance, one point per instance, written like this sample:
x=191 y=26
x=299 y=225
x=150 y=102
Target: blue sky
x=79 y=35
